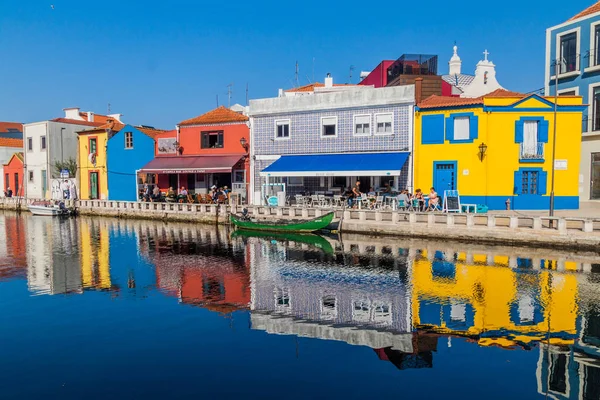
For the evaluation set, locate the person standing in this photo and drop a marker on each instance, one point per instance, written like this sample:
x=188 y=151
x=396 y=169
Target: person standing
x=356 y=191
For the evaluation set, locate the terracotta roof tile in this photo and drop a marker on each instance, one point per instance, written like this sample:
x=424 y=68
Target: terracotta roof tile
x=116 y=127
x=75 y=122
x=588 y=11
x=10 y=142
x=311 y=87
x=5 y=126
x=435 y=101
x=97 y=117
x=218 y=115
x=148 y=131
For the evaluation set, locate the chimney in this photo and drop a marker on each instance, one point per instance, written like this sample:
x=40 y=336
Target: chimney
x=90 y=116
x=72 y=113
x=280 y=94
x=116 y=117
x=328 y=81
x=418 y=90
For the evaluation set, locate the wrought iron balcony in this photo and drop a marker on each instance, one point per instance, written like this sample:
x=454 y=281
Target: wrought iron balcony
x=530 y=153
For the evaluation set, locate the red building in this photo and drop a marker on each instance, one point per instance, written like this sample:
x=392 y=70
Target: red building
x=378 y=77
x=13 y=174
x=211 y=149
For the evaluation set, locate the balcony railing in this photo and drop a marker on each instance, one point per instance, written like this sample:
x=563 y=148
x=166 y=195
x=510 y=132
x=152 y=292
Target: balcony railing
x=566 y=64
x=529 y=153
x=592 y=59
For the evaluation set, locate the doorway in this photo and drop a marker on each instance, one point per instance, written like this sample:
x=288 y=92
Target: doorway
x=16 y=192
x=173 y=181
x=220 y=180
x=444 y=176
x=595 y=177
x=94 y=189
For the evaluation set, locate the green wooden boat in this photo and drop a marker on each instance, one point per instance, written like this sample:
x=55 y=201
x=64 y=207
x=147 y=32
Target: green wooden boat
x=283 y=225
x=307 y=238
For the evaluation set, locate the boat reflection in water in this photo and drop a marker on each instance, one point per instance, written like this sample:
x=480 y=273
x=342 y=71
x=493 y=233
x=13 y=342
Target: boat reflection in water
x=406 y=300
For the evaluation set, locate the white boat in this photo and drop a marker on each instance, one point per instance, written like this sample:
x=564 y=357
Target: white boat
x=47 y=209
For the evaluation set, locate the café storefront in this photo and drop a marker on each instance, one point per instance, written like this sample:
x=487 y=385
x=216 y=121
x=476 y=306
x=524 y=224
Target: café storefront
x=196 y=173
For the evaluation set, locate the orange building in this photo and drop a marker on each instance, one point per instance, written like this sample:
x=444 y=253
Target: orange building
x=211 y=149
x=13 y=174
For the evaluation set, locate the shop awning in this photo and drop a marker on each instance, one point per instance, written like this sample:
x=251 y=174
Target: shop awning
x=365 y=164
x=191 y=164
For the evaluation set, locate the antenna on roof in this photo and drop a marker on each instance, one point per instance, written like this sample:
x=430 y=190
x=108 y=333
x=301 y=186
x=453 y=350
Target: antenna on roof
x=296 y=75
x=351 y=70
x=108 y=109
x=229 y=93
x=308 y=79
x=246 y=93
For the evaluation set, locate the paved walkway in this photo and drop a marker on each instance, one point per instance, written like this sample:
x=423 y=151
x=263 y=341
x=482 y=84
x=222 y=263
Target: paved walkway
x=587 y=209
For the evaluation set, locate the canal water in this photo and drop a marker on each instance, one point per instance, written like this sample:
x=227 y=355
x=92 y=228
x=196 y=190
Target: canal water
x=107 y=308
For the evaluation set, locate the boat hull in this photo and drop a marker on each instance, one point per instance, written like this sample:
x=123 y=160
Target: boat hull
x=45 y=211
x=307 y=226
x=307 y=238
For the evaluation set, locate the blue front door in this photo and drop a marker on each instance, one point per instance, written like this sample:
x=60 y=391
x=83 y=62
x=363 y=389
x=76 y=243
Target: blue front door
x=444 y=176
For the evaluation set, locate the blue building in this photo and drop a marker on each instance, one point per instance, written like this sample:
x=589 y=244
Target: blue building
x=127 y=151
x=573 y=69
x=323 y=139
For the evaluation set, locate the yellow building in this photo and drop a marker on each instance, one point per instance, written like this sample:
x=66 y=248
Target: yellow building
x=499 y=147
x=93 y=174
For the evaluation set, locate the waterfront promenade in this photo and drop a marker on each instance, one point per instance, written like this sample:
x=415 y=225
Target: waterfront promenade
x=510 y=227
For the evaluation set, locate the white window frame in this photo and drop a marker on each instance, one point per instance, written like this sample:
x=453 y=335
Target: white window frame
x=592 y=46
x=43 y=140
x=571 y=89
x=296 y=184
x=236 y=171
x=375 y=124
x=454 y=128
x=125 y=134
x=31 y=176
x=30 y=148
x=329 y=313
x=278 y=122
x=354 y=125
x=591 y=110
x=336 y=127
x=557 y=54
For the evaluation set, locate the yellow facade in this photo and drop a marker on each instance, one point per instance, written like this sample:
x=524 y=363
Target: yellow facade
x=95 y=266
x=88 y=172
x=490 y=179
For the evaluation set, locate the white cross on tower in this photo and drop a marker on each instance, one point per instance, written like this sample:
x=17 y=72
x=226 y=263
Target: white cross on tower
x=485 y=54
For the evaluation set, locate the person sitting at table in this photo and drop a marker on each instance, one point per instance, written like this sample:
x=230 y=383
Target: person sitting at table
x=371 y=192
x=155 y=194
x=421 y=199
x=171 y=196
x=387 y=190
x=349 y=195
x=215 y=194
x=434 y=200
x=403 y=198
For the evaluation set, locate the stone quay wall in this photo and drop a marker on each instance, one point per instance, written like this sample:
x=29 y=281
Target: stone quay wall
x=535 y=231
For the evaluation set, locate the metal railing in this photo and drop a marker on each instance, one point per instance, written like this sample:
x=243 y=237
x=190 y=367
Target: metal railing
x=593 y=58
x=531 y=153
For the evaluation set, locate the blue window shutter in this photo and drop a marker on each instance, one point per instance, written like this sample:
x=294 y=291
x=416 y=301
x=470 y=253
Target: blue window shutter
x=543 y=131
x=450 y=128
x=542 y=182
x=473 y=128
x=518 y=182
x=432 y=129
x=519 y=132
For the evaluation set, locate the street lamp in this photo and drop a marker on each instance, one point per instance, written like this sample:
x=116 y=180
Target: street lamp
x=244 y=143
x=482 y=149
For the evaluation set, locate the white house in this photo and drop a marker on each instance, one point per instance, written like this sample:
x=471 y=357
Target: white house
x=47 y=142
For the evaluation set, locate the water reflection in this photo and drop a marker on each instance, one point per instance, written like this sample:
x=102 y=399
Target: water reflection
x=404 y=299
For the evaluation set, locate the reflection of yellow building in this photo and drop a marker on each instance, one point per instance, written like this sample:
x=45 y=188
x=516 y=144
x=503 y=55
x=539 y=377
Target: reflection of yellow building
x=95 y=268
x=497 y=304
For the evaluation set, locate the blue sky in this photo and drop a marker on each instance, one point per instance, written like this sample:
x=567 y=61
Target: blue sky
x=160 y=62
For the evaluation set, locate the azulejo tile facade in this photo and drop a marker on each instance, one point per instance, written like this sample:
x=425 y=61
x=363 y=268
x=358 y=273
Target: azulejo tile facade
x=305 y=117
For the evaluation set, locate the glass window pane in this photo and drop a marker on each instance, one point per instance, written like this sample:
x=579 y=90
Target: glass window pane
x=461 y=128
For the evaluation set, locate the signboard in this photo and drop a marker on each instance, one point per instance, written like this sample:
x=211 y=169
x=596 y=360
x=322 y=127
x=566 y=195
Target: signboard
x=451 y=201
x=560 y=165
x=64 y=173
x=273 y=201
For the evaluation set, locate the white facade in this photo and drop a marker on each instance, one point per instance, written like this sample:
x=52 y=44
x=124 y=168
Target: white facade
x=485 y=79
